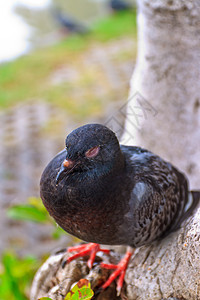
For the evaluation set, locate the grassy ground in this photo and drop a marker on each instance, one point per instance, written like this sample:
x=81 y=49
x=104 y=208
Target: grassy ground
x=27 y=77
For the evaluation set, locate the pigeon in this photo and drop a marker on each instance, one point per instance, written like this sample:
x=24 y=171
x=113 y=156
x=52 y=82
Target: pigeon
x=68 y=23
x=120 y=5
x=106 y=193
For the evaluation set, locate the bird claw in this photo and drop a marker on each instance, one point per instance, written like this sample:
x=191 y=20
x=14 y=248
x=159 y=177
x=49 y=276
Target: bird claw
x=120 y=270
x=90 y=249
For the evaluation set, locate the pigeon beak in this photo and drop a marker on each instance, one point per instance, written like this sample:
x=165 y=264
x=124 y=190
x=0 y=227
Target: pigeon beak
x=67 y=165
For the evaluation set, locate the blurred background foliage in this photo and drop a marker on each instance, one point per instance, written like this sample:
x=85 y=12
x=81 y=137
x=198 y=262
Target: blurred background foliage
x=65 y=81
x=30 y=76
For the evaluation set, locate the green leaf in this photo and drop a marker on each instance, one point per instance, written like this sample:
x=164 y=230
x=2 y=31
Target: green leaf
x=45 y=298
x=80 y=291
x=28 y=213
x=37 y=202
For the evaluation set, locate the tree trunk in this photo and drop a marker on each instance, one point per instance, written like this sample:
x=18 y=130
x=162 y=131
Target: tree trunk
x=167 y=82
x=163 y=114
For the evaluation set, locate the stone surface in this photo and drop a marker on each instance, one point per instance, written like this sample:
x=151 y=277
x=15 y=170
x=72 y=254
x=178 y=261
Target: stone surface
x=55 y=282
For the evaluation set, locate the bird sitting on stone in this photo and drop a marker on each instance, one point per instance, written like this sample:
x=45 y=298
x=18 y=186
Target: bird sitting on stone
x=120 y=5
x=106 y=193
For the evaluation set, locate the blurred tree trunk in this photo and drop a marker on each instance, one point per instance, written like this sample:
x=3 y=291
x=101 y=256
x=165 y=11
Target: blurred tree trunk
x=162 y=116
x=167 y=76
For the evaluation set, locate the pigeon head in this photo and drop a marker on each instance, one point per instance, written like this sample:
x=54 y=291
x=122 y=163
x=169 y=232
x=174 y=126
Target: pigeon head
x=91 y=148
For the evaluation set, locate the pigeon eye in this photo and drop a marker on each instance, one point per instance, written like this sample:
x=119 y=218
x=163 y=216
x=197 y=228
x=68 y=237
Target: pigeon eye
x=92 y=152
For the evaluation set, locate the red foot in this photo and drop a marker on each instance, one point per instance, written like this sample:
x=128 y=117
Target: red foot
x=120 y=271
x=90 y=249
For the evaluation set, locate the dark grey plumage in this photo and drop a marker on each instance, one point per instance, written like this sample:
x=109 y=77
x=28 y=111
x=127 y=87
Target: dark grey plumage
x=123 y=195
x=69 y=23
x=120 y=5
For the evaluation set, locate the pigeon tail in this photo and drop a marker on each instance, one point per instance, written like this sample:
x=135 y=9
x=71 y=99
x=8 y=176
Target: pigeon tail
x=193 y=201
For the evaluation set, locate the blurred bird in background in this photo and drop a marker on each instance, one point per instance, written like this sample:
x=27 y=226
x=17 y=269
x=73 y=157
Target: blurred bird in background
x=68 y=23
x=120 y=5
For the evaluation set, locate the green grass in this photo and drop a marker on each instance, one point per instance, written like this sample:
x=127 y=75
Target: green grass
x=116 y=26
x=27 y=77
x=16 y=275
